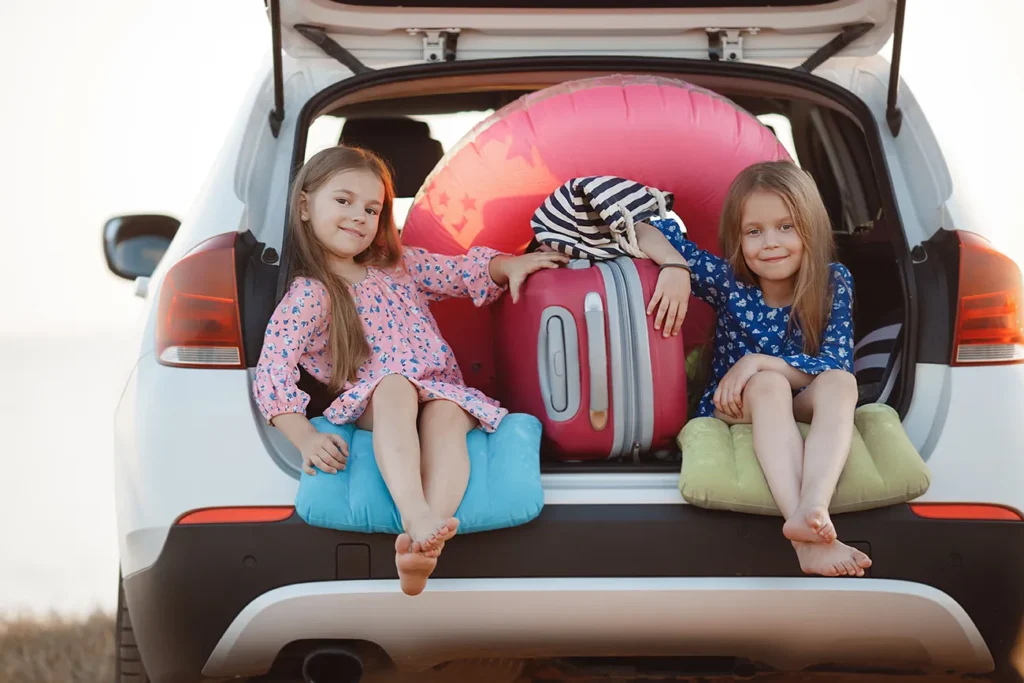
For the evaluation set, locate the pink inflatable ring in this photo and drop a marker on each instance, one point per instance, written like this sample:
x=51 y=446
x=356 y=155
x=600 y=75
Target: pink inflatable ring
x=659 y=131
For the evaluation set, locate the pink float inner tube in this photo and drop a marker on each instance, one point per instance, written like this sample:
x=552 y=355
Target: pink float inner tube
x=659 y=131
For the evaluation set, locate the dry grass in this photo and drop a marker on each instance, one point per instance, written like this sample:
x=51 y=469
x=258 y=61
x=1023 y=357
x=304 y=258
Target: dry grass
x=57 y=650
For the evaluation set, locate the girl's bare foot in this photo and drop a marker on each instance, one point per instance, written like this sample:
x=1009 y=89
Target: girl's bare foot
x=831 y=559
x=810 y=525
x=429 y=530
x=413 y=568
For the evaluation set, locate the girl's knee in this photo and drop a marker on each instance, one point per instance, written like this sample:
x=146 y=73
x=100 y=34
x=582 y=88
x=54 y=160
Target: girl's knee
x=395 y=391
x=440 y=409
x=446 y=414
x=767 y=385
x=833 y=385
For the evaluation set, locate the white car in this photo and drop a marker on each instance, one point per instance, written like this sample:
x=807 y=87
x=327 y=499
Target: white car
x=618 y=576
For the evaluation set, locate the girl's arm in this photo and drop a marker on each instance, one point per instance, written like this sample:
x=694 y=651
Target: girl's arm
x=461 y=276
x=836 y=352
x=512 y=271
x=671 y=296
x=664 y=243
x=298 y=319
x=482 y=274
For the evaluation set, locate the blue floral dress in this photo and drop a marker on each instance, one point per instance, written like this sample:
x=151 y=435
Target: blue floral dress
x=746 y=324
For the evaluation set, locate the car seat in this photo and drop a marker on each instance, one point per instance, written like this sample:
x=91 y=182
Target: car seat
x=403 y=142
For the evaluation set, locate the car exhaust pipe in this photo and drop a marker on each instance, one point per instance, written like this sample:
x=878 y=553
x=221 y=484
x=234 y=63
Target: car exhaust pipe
x=332 y=665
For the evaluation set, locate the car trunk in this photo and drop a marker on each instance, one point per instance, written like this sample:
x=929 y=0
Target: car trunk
x=833 y=136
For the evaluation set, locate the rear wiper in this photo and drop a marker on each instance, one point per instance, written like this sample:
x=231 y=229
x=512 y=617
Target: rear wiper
x=835 y=46
x=317 y=35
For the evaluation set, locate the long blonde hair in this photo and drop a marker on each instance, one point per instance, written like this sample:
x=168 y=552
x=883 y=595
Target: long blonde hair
x=347 y=341
x=812 y=295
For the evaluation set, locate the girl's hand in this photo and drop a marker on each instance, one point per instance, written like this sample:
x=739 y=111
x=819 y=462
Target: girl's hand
x=513 y=270
x=671 y=297
x=329 y=452
x=729 y=394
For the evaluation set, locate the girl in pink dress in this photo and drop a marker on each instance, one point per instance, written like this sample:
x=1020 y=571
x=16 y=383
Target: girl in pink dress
x=356 y=317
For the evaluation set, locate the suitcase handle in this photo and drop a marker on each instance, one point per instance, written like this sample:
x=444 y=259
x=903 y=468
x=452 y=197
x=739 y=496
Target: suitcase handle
x=558 y=363
x=597 y=358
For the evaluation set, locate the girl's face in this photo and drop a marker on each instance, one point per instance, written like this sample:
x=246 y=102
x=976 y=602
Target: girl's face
x=771 y=246
x=344 y=212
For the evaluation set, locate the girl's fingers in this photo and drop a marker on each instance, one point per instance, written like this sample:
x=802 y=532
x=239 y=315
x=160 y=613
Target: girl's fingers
x=331 y=454
x=319 y=462
x=655 y=298
x=670 y=319
x=330 y=445
x=727 y=399
x=659 y=320
x=680 y=317
x=331 y=460
x=340 y=443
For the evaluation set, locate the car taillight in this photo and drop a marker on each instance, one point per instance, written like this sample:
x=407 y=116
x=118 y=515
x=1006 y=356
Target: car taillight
x=238 y=515
x=197 y=318
x=975 y=511
x=989 y=325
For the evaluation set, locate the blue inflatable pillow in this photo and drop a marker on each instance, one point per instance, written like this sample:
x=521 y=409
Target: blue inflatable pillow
x=504 y=482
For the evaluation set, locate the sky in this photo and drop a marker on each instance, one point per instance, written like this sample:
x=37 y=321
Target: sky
x=119 y=106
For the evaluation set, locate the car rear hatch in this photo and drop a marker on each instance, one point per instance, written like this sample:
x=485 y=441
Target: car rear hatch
x=387 y=33
x=365 y=35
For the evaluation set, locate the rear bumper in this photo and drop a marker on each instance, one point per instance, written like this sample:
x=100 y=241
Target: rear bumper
x=582 y=580
x=787 y=623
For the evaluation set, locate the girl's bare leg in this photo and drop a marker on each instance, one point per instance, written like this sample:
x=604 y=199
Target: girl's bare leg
x=444 y=463
x=768 y=405
x=827 y=404
x=397 y=451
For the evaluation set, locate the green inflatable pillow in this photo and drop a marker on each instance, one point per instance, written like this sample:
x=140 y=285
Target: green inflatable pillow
x=721 y=472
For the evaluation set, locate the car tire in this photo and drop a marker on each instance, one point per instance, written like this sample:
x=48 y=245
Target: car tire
x=128 y=666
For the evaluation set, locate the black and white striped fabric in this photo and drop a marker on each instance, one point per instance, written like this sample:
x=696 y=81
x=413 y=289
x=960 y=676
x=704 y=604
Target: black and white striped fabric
x=593 y=217
x=877 y=358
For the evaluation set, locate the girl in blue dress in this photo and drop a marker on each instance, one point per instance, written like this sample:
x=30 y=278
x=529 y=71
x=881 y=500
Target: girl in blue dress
x=783 y=343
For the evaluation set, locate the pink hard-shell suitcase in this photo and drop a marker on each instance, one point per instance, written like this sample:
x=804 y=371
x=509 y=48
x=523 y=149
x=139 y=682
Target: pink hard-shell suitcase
x=579 y=351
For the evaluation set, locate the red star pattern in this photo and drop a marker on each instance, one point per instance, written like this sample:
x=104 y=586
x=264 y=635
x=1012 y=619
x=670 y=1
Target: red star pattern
x=460 y=226
x=520 y=146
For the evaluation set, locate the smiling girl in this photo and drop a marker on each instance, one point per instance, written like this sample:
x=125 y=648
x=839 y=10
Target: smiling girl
x=356 y=316
x=783 y=345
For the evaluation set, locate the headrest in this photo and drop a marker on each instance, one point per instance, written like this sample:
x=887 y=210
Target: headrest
x=403 y=142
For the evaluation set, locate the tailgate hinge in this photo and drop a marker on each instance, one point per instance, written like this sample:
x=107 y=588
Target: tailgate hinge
x=439 y=44
x=726 y=44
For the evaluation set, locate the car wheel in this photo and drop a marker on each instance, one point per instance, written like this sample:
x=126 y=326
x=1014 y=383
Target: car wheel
x=128 y=667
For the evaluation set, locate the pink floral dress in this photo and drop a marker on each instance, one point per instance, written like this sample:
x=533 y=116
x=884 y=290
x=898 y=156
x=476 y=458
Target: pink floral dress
x=400 y=330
